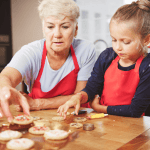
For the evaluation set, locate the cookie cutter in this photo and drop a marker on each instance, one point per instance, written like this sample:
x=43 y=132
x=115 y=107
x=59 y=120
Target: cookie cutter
x=88 y=126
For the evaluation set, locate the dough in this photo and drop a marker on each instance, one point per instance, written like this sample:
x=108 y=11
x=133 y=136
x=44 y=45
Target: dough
x=68 y=113
x=58 y=118
x=80 y=119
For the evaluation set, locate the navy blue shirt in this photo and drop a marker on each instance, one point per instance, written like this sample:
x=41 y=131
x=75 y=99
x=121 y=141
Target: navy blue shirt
x=141 y=99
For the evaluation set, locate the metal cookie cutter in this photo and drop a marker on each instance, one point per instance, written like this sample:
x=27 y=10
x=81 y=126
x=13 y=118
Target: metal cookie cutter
x=88 y=126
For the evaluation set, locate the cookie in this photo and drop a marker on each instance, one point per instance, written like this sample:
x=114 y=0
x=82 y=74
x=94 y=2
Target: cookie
x=9 y=135
x=58 y=118
x=68 y=113
x=76 y=125
x=20 y=144
x=38 y=129
x=23 y=119
x=80 y=119
x=56 y=134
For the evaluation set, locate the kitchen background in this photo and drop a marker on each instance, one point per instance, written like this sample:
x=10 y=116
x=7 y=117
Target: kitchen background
x=20 y=24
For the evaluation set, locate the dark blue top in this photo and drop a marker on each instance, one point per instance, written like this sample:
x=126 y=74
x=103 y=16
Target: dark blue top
x=141 y=99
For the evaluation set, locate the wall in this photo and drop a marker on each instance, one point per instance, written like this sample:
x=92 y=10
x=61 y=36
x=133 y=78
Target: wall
x=26 y=24
x=93 y=22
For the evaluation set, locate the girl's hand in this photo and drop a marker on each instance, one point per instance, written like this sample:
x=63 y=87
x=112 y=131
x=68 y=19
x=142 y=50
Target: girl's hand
x=95 y=102
x=73 y=102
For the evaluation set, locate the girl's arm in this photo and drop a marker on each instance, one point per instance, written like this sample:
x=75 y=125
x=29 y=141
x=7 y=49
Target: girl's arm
x=55 y=102
x=97 y=107
x=95 y=82
x=141 y=99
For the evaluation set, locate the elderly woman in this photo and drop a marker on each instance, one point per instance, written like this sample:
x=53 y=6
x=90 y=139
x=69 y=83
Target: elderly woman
x=53 y=68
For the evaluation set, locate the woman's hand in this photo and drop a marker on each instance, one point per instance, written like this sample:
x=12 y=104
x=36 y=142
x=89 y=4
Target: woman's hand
x=9 y=95
x=34 y=104
x=73 y=102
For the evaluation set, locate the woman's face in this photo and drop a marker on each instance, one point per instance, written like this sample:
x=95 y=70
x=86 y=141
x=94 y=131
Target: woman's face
x=59 y=33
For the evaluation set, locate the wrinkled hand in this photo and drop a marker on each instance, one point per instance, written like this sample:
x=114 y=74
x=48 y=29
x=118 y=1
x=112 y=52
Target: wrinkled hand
x=95 y=102
x=33 y=103
x=73 y=102
x=9 y=95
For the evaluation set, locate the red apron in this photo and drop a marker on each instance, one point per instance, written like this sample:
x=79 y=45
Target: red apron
x=120 y=86
x=64 y=87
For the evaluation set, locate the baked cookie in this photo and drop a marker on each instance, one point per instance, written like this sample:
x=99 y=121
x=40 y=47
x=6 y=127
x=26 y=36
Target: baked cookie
x=80 y=119
x=23 y=119
x=36 y=118
x=56 y=134
x=9 y=135
x=20 y=144
x=76 y=125
x=38 y=129
x=58 y=118
x=68 y=113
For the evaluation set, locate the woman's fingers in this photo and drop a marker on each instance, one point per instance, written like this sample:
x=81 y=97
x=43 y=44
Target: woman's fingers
x=5 y=96
x=24 y=104
x=6 y=110
x=18 y=108
x=1 y=113
x=11 y=95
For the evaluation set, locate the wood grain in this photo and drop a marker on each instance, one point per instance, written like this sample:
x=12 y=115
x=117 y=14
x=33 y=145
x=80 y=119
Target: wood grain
x=110 y=133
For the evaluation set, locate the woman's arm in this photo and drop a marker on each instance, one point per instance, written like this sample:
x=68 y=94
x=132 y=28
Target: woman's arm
x=55 y=102
x=9 y=79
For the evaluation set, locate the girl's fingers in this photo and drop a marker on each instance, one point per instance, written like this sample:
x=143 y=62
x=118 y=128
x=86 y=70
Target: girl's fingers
x=77 y=107
x=65 y=111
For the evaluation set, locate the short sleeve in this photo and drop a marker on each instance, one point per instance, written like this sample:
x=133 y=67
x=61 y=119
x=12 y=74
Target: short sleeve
x=86 y=56
x=28 y=61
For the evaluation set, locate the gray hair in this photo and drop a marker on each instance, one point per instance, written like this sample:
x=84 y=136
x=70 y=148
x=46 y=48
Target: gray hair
x=59 y=9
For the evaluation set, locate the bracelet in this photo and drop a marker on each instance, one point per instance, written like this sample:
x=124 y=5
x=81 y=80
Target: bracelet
x=80 y=94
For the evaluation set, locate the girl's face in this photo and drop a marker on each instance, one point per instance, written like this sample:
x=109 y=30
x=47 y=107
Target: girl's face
x=126 y=42
x=59 y=34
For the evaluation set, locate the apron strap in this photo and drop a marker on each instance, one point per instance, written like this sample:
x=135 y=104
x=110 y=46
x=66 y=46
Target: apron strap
x=74 y=59
x=42 y=62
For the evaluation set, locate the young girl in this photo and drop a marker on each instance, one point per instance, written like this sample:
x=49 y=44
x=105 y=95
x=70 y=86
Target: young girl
x=121 y=75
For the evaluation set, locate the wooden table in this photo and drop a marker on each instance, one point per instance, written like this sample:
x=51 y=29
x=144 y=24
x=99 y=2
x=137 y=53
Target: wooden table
x=110 y=133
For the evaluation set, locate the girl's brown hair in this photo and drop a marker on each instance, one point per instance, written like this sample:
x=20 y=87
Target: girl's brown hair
x=139 y=12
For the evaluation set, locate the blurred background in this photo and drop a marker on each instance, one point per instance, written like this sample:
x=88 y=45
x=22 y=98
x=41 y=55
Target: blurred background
x=20 y=24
